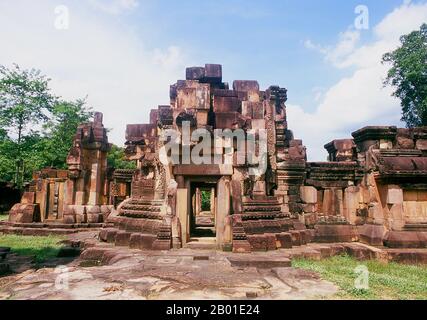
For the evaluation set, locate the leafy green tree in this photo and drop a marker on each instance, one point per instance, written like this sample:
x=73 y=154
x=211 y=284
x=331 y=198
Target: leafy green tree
x=7 y=157
x=117 y=159
x=408 y=74
x=25 y=102
x=60 y=130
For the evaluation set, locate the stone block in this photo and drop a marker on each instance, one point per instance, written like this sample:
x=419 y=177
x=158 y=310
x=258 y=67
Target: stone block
x=111 y=235
x=245 y=85
x=241 y=246
x=162 y=244
x=94 y=218
x=271 y=241
x=69 y=218
x=405 y=239
x=213 y=73
x=249 y=261
x=24 y=213
x=142 y=241
x=296 y=238
x=372 y=234
x=284 y=240
x=28 y=198
x=421 y=144
x=258 y=242
x=405 y=143
x=336 y=233
x=122 y=239
x=195 y=73
x=394 y=195
x=103 y=234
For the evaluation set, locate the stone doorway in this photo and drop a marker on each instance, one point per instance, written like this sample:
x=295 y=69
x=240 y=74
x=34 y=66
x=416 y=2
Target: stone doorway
x=203 y=210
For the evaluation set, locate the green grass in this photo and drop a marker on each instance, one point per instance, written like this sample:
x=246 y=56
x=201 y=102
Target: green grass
x=386 y=281
x=41 y=248
x=4 y=216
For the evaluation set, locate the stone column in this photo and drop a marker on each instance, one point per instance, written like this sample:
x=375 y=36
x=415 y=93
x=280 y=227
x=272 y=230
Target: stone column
x=395 y=205
x=95 y=180
x=198 y=204
x=213 y=201
x=182 y=213
x=223 y=232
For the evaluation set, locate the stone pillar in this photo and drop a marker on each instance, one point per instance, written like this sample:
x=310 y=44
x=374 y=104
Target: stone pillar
x=80 y=194
x=351 y=204
x=213 y=201
x=69 y=192
x=395 y=205
x=182 y=213
x=95 y=180
x=223 y=231
x=198 y=202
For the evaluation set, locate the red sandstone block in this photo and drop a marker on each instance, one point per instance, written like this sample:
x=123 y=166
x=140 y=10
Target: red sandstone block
x=94 y=218
x=284 y=240
x=142 y=241
x=103 y=234
x=69 y=219
x=241 y=246
x=406 y=239
x=122 y=239
x=111 y=235
x=296 y=238
x=258 y=242
x=336 y=233
x=93 y=254
x=195 y=73
x=162 y=244
x=271 y=241
x=213 y=72
x=245 y=85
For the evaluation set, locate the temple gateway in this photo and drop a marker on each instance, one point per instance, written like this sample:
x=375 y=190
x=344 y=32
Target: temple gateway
x=372 y=189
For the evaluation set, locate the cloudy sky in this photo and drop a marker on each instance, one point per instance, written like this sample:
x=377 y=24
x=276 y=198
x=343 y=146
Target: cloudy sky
x=124 y=54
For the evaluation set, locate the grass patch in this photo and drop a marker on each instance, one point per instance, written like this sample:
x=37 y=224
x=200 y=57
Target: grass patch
x=4 y=216
x=41 y=248
x=390 y=281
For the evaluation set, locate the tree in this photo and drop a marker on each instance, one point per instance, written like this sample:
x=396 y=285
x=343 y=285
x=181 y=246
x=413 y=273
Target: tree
x=117 y=159
x=408 y=74
x=60 y=130
x=25 y=101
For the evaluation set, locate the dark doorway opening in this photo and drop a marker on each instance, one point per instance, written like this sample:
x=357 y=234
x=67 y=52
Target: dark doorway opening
x=202 y=220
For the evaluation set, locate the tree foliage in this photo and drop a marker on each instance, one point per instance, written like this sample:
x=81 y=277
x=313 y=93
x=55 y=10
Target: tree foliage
x=60 y=130
x=408 y=74
x=117 y=159
x=36 y=128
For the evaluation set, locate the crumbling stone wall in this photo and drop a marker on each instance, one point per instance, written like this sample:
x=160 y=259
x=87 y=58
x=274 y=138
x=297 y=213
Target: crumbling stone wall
x=77 y=195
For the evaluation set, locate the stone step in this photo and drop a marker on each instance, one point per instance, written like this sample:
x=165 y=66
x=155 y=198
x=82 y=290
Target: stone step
x=201 y=244
x=258 y=261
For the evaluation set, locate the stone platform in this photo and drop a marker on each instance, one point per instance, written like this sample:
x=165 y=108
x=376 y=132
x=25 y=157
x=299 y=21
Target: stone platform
x=45 y=229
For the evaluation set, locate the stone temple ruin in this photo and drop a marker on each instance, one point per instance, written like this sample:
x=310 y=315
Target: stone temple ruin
x=372 y=189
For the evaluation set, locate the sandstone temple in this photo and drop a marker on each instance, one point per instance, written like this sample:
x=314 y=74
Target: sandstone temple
x=372 y=189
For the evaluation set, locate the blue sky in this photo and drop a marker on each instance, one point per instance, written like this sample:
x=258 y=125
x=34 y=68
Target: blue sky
x=124 y=54
x=256 y=39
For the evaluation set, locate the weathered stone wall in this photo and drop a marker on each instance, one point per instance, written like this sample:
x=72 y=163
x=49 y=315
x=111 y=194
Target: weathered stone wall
x=74 y=196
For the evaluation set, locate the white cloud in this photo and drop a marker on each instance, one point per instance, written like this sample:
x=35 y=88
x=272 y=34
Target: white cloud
x=334 y=54
x=96 y=56
x=359 y=99
x=114 y=6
